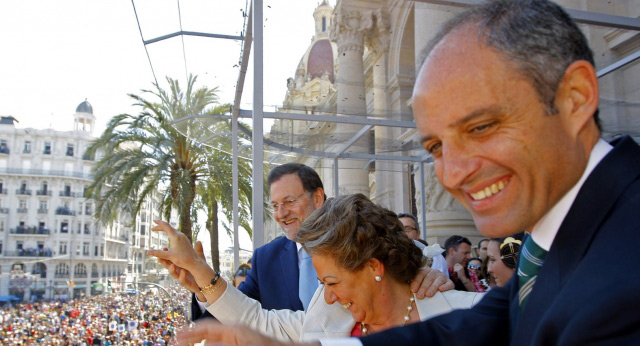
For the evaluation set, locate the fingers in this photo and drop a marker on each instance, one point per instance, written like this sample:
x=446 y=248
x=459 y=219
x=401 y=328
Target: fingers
x=197 y=333
x=161 y=254
x=165 y=227
x=447 y=286
x=415 y=284
x=199 y=250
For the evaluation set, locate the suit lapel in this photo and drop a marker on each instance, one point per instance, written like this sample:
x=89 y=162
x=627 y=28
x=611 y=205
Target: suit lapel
x=290 y=272
x=593 y=203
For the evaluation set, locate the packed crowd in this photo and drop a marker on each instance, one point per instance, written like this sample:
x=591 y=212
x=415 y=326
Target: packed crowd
x=111 y=319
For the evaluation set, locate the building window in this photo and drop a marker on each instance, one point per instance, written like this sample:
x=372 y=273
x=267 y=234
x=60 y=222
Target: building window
x=69 y=149
x=64 y=227
x=143 y=229
x=95 y=253
x=324 y=24
x=27 y=147
x=85 y=249
x=47 y=148
x=4 y=148
x=43 y=207
x=0 y=247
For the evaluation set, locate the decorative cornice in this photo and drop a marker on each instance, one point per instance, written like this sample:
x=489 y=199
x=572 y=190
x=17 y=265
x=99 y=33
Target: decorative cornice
x=349 y=27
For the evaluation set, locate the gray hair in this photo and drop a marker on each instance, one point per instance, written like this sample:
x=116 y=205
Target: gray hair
x=538 y=36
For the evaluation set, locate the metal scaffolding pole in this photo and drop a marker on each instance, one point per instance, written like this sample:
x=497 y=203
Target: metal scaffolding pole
x=258 y=140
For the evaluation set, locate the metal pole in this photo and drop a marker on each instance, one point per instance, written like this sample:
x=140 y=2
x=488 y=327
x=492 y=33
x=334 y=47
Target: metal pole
x=258 y=140
x=234 y=174
x=423 y=201
x=336 y=188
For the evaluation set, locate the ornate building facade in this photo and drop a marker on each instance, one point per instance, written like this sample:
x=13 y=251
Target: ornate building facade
x=50 y=244
x=378 y=45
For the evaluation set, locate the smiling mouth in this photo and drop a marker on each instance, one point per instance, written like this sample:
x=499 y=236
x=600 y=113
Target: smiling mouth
x=346 y=306
x=489 y=190
x=288 y=222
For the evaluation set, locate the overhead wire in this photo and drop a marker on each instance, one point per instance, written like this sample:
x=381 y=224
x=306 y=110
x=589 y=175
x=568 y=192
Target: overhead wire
x=145 y=46
x=184 y=54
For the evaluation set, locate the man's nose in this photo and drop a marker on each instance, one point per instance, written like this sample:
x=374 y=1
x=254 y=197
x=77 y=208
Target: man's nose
x=282 y=212
x=456 y=164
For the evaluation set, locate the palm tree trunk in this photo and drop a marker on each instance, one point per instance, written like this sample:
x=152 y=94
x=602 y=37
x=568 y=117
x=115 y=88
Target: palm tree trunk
x=212 y=226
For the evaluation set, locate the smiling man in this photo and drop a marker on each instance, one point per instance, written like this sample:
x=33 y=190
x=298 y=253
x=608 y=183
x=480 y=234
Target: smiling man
x=506 y=101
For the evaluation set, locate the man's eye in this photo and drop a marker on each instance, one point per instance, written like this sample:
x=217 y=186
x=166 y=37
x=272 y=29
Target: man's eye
x=433 y=148
x=482 y=128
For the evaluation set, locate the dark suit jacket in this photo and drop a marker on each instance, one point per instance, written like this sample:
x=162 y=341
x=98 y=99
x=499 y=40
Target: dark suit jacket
x=587 y=290
x=273 y=279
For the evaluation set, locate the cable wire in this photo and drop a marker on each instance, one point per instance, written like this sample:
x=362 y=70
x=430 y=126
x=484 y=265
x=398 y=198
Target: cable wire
x=184 y=54
x=145 y=46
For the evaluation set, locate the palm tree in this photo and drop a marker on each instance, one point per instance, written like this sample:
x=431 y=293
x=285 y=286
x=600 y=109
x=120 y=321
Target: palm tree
x=215 y=193
x=148 y=151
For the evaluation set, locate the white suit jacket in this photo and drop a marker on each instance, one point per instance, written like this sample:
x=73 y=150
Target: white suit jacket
x=321 y=320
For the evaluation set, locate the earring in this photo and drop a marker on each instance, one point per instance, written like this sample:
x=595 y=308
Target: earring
x=378 y=278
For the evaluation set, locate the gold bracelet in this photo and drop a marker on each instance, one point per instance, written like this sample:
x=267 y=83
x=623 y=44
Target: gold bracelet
x=209 y=289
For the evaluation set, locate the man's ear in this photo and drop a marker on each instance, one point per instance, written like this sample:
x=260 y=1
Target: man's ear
x=318 y=198
x=578 y=96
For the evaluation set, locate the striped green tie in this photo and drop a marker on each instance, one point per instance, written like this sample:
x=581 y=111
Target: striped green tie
x=531 y=260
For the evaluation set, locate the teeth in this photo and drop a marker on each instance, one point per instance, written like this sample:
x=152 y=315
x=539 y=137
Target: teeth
x=346 y=306
x=489 y=191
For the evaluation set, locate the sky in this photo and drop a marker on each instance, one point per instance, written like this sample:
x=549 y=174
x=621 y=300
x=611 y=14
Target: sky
x=56 y=54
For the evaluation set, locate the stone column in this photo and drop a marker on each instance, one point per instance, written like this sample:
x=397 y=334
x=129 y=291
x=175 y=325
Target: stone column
x=349 y=27
x=444 y=215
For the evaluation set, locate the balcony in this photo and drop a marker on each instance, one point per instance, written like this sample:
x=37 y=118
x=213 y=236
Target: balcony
x=43 y=211
x=30 y=230
x=22 y=210
x=4 y=210
x=26 y=192
x=3 y=191
x=48 y=172
x=30 y=252
x=80 y=275
x=43 y=192
x=4 y=150
x=65 y=211
x=61 y=275
x=95 y=275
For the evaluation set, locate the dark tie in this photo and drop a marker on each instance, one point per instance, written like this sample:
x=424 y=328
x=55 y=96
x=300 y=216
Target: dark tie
x=531 y=260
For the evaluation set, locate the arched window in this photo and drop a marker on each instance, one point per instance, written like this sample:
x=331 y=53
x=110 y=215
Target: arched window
x=80 y=269
x=62 y=269
x=39 y=269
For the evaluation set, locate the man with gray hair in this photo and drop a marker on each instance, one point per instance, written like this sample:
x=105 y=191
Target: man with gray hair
x=506 y=101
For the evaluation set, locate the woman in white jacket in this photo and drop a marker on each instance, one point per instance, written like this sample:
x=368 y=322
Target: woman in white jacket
x=365 y=263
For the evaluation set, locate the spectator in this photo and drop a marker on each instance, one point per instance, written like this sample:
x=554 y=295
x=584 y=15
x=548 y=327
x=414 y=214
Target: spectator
x=241 y=274
x=503 y=255
x=411 y=227
x=457 y=252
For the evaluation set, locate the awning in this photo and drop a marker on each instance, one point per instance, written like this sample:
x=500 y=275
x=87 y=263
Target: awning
x=8 y=298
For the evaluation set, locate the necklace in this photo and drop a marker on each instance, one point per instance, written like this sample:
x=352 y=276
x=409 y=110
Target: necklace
x=406 y=318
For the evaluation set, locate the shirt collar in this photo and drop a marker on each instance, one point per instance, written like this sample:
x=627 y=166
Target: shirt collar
x=547 y=227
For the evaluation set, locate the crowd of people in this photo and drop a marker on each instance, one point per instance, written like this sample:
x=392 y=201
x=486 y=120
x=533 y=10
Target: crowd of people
x=148 y=319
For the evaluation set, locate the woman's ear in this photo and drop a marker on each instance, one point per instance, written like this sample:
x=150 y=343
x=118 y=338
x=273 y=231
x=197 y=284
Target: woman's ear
x=376 y=267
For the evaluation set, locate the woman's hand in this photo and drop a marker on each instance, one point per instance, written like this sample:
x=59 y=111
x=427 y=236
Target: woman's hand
x=183 y=256
x=183 y=276
x=217 y=334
